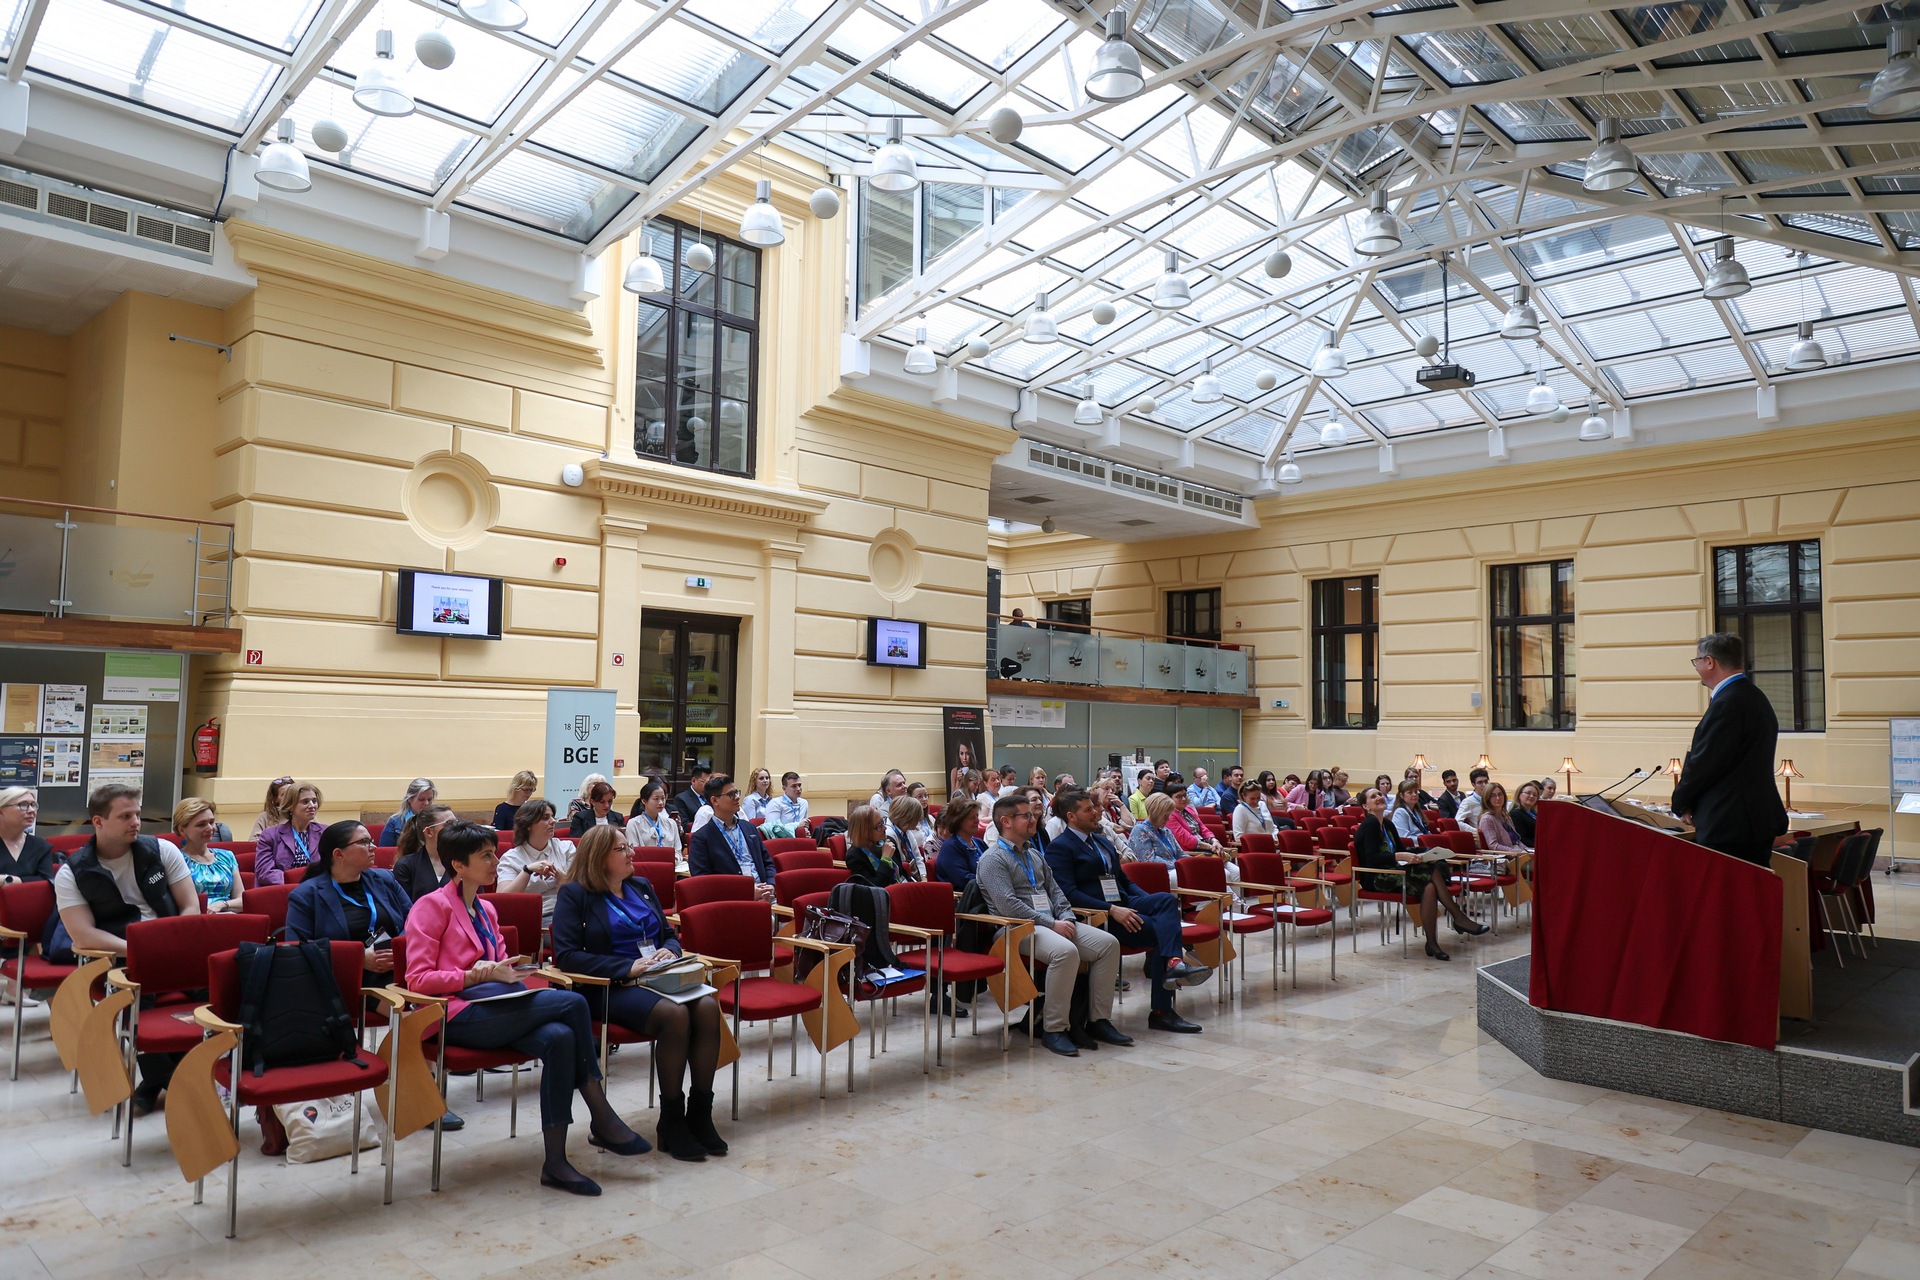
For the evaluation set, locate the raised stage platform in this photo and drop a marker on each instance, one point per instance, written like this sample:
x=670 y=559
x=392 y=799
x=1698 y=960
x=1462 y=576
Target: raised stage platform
x=1853 y=1068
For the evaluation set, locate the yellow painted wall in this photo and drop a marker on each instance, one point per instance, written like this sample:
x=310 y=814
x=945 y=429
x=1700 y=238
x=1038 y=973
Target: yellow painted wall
x=33 y=407
x=1640 y=527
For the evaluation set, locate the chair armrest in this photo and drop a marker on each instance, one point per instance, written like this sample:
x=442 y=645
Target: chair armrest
x=1400 y=870
x=1324 y=884
x=1203 y=893
x=417 y=997
x=92 y=953
x=576 y=979
x=1249 y=886
x=1091 y=916
x=716 y=962
x=385 y=995
x=915 y=931
x=814 y=944
x=119 y=978
x=1298 y=857
x=981 y=918
x=785 y=913
x=12 y=935
x=205 y=1016
x=554 y=975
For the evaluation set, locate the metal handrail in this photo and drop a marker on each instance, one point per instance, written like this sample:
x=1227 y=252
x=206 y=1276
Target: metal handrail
x=113 y=511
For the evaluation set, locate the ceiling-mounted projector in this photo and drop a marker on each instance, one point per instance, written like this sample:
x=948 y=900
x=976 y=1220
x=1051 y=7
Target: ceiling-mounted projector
x=1444 y=377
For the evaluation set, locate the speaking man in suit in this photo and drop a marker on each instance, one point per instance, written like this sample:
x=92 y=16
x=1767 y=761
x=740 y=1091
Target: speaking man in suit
x=1726 y=787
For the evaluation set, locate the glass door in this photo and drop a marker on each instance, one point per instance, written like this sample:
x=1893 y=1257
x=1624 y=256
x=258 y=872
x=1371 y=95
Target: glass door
x=687 y=668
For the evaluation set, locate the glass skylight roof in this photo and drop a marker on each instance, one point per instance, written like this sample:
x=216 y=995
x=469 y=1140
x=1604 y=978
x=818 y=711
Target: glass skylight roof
x=1747 y=116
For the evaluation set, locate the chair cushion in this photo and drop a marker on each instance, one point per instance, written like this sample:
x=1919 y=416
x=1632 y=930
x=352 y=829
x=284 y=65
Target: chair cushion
x=41 y=976
x=957 y=966
x=298 y=1084
x=763 y=998
x=617 y=1034
x=162 y=1030
x=1256 y=922
x=1192 y=934
x=1306 y=917
x=464 y=1059
x=1377 y=895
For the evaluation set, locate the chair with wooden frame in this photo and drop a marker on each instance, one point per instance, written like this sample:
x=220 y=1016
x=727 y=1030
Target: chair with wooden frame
x=791 y=885
x=204 y=1135
x=812 y=858
x=1013 y=987
x=25 y=909
x=522 y=913
x=925 y=913
x=1209 y=875
x=1259 y=881
x=693 y=891
x=655 y=853
x=1257 y=842
x=872 y=994
x=1201 y=925
x=736 y=938
x=269 y=900
x=664 y=880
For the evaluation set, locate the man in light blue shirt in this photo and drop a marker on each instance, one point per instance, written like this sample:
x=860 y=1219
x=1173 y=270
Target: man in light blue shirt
x=1201 y=795
x=789 y=808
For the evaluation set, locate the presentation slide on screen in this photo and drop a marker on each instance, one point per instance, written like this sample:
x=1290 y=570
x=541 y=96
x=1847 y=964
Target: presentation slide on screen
x=450 y=605
x=896 y=644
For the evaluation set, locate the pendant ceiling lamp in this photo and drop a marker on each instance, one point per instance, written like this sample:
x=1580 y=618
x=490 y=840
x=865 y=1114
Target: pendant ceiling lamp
x=1289 y=471
x=381 y=89
x=1380 y=231
x=1329 y=361
x=1170 y=291
x=1040 y=323
x=644 y=273
x=1806 y=354
x=1610 y=165
x=1595 y=427
x=1522 y=320
x=760 y=224
x=1335 y=432
x=894 y=168
x=494 y=15
x=1896 y=90
x=1116 y=74
x=282 y=166
x=1088 y=413
x=1542 y=398
x=1206 y=387
x=920 y=354
x=1726 y=278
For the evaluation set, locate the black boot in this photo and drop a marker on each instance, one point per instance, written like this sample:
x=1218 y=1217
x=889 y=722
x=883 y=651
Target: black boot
x=673 y=1136
x=700 y=1123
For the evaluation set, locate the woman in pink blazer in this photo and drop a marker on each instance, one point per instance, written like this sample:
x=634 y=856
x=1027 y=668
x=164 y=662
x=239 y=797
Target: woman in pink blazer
x=454 y=946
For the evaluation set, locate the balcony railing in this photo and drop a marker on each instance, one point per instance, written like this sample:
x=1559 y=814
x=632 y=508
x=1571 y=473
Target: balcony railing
x=1067 y=653
x=62 y=560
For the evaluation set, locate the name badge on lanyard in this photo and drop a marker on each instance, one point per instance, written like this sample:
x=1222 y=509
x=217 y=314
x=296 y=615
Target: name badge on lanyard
x=1110 y=888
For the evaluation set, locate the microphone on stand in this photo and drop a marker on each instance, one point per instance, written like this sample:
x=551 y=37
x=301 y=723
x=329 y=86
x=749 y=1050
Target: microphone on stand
x=1598 y=800
x=1610 y=786
x=1630 y=790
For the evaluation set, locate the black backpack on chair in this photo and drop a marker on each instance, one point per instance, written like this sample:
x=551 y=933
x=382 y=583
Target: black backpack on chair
x=291 y=1013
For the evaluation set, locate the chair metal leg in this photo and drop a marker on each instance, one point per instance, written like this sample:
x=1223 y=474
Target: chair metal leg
x=770 y=1048
x=440 y=1074
x=387 y=1152
x=19 y=1011
x=793 y=1047
x=513 y=1104
x=823 y=1062
x=1826 y=922
x=737 y=1056
x=233 y=1118
x=353 y=1162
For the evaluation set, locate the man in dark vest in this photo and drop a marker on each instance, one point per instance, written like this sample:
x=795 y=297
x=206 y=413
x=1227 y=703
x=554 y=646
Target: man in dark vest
x=115 y=879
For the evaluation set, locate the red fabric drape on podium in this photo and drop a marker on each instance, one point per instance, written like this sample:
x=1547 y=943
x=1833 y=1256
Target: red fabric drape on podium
x=1635 y=925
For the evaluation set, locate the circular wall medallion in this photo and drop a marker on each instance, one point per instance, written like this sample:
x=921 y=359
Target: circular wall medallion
x=893 y=564
x=449 y=500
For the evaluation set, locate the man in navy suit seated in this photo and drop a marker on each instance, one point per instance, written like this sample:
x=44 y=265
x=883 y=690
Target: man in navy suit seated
x=1087 y=868
x=727 y=846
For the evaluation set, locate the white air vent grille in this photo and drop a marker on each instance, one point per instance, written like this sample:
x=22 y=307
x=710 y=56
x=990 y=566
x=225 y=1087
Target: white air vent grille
x=1211 y=500
x=1148 y=483
x=1074 y=464
x=1088 y=469
x=111 y=217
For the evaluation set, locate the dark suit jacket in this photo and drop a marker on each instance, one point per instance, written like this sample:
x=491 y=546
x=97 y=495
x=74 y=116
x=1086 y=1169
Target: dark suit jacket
x=417 y=874
x=314 y=911
x=1727 y=783
x=1079 y=861
x=37 y=860
x=957 y=861
x=709 y=854
x=686 y=807
x=582 y=942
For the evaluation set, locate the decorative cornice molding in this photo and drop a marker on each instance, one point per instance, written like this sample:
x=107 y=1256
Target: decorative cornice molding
x=856 y=407
x=647 y=483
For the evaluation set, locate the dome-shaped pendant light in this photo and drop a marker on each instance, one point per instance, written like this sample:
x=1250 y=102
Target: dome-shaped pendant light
x=894 y=168
x=1610 y=165
x=1380 y=232
x=1170 y=291
x=1595 y=427
x=282 y=166
x=381 y=89
x=1206 y=387
x=1329 y=361
x=1088 y=413
x=1289 y=472
x=1542 y=398
x=1896 y=90
x=760 y=224
x=644 y=274
x=1522 y=320
x=1806 y=354
x=1116 y=74
x=494 y=15
x=920 y=354
x=1334 y=433
x=1726 y=278
x=1040 y=323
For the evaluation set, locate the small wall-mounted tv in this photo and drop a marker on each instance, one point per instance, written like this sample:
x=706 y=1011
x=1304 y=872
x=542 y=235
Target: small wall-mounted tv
x=454 y=605
x=894 y=643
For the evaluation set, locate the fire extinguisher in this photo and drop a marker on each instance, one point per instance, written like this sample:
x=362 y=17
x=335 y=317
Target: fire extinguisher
x=206 y=747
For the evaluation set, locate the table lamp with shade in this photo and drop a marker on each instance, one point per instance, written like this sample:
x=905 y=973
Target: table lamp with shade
x=1483 y=763
x=1420 y=763
x=1673 y=768
x=1568 y=767
x=1787 y=772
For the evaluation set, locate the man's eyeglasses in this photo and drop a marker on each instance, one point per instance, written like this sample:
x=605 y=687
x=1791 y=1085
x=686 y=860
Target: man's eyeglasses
x=733 y=794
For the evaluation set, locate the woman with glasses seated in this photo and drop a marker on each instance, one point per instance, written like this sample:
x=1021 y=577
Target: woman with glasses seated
x=872 y=856
x=960 y=844
x=599 y=811
x=420 y=868
x=455 y=950
x=1526 y=812
x=1379 y=844
x=608 y=924
x=1496 y=829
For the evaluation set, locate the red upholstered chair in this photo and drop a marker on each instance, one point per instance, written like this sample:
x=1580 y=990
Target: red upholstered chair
x=692 y=891
x=242 y=851
x=925 y=913
x=192 y=1102
x=1336 y=838
x=738 y=937
x=1209 y=875
x=665 y=883
x=758 y=822
x=800 y=859
x=1440 y=822
x=168 y=960
x=1266 y=882
x=503 y=840
x=654 y=853
x=1297 y=842
x=24 y=911
x=68 y=844
x=1313 y=825
x=521 y=913
x=1328 y=813
x=790 y=885
x=1202 y=935
x=385 y=857
x=269 y=900
x=837 y=845
x=788 y=844
x=1256 y=842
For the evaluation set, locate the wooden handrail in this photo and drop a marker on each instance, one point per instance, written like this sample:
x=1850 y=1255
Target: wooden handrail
x=1086 y=629
x=114 y=511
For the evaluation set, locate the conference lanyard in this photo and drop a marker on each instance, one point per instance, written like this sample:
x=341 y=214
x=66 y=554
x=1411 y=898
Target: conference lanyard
x=300 y=847
x=1022 y=860
x=1724 y=683
x=737 y=841
x=1160 y=834
x=659 y=836
x=370 y=906
x=1255 y=815
x=646 y=921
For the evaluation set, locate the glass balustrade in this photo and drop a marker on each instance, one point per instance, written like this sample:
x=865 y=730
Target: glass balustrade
x=64 y=561
x=1059 y=654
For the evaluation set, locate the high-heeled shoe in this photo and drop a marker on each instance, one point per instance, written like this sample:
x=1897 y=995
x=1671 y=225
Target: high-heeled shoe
x=574 y=1186
x=1472 y=929
x=633 y=1146
x=1435 y=953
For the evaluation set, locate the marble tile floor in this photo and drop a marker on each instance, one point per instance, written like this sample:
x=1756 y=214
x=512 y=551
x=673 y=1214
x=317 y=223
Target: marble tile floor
x=1361 y=1128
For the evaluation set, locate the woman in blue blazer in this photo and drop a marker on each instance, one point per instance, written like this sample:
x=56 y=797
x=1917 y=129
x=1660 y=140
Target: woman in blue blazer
x=608 y=924
x=345 y=898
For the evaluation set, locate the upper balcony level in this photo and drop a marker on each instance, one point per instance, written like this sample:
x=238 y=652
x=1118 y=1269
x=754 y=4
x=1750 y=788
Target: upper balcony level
x=1063 y=659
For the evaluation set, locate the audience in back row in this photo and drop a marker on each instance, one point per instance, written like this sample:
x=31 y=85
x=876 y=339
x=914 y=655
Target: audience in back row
x=652 y=826
x=283 y=851
x=521 y=790
x=728 y=846
x=538 y=860
x=23 y=855
x=420 y=794
x=420 y=869
x=216 y=872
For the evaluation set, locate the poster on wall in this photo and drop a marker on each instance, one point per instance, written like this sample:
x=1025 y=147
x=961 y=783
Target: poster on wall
x=965 y=733
x=141 y=677
x=64 y=709
x=117 y=759
x=60 y=761
x=112 y=720
x=20 y=708
x=19 y=762
x=1027 y=713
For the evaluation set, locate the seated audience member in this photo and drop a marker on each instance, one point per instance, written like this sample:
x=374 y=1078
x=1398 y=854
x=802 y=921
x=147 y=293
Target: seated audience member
x=1143 y=786
x=420 y=794
x=759 y=793
x=1150 y=839
x=653 y=826
x=789 y=808
x=1496 y=829
x=1271 y=796
x=1086 y=866
x=116 y=878
x=23 y=855
x=343 y=897
x=1408 y=819
x=1116 y=816
x=215 y=872
x=283 y=852
x=872 y=856
x=538 y=861
x=525 y=783
x=686 y=805
x=1162 y=770
x=960 y=842
x=1250 y=816
x=607 y=923
x=1337 y=793
x=1037 y=777
x=1448 y=801
x=1474 y=803
x=1189 y=832
x=1008 y=781
x=912 y=834
x=977 y=785
x=892 y=783
x=1019 y=884
x=1383 y=783
x=727 y=846
x=1525 y=812
x=1376 y=845
x=271 y=814
x=1232 y=779
x=1038 y=799
x=420 y=869
x=1311 y=794
x=454 y=946
x=1548 y=788
x=599 y=811
x=1426 y=801
x=1201 y=794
